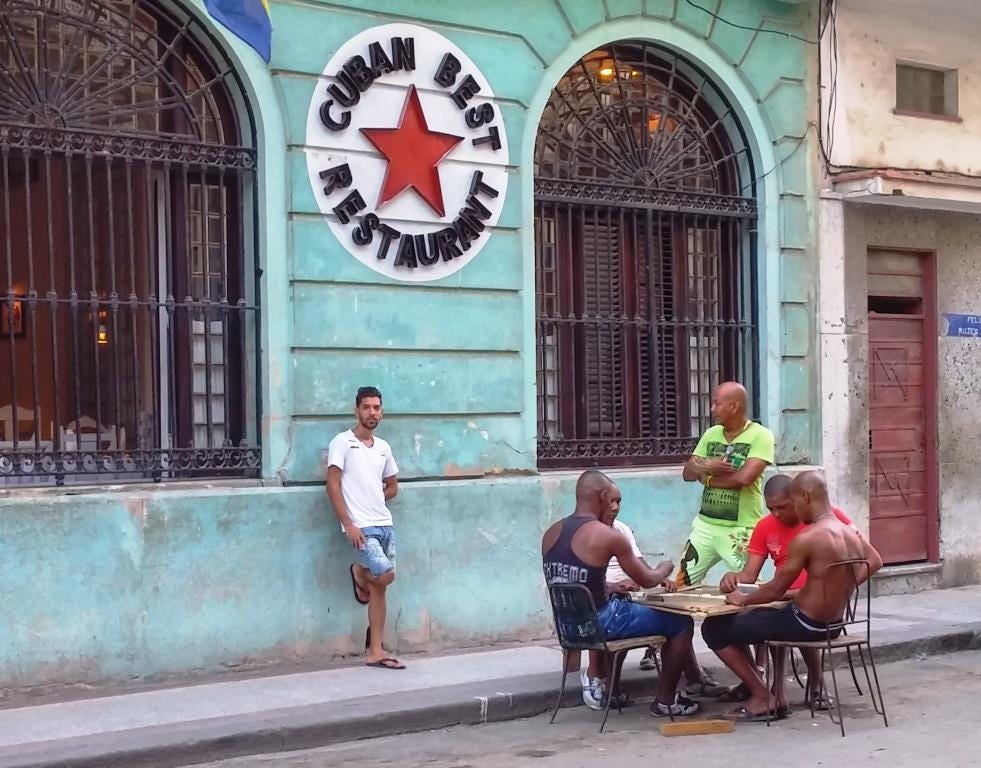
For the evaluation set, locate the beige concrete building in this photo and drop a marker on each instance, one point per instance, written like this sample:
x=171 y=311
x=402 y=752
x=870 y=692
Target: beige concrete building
x=900 y=285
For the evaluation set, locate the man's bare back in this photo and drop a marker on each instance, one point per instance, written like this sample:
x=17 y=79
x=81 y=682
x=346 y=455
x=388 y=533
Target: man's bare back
x=826 y=592
x=826 y=540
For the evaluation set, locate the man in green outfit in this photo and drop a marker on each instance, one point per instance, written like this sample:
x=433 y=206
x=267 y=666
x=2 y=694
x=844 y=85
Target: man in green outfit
x=729 y=461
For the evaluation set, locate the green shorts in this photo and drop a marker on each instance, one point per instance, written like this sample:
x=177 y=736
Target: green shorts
x=707 y=544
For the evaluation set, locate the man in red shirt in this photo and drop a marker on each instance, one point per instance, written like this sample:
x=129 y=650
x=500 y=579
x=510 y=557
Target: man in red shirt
x=771 y=538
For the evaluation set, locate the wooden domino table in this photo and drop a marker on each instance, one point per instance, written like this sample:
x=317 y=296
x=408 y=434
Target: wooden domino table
x=700 y=602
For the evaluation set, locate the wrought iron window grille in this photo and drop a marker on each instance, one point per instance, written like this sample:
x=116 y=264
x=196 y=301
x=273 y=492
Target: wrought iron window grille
x=644 y=241
x=127 y=245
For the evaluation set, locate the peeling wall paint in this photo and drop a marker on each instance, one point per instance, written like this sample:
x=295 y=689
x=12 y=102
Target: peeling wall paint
x=207 y=580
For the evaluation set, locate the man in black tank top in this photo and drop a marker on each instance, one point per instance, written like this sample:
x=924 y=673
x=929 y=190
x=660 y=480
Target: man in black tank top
x=577 y=550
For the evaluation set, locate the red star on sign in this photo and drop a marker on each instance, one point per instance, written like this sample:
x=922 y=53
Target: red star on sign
x=413 y=153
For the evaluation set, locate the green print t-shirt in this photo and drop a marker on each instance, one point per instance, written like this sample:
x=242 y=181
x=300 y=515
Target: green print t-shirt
x=730 y=507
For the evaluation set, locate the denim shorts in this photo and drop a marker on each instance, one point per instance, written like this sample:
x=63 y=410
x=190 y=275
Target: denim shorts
x=378 y=555
x=622 y=618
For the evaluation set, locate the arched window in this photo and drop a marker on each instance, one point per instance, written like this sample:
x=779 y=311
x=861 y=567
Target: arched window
x=128 y=307
x=644 y=241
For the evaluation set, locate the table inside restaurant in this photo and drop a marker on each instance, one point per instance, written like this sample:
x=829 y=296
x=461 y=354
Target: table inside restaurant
x=26 y=445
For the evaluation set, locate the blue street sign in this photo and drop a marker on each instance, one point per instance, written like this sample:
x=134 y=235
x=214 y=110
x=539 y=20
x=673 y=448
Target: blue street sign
x=963 y=325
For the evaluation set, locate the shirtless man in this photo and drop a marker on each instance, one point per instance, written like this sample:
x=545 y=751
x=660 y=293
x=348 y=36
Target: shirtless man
x=578 y=549
x=771 y=538
x=820 y=602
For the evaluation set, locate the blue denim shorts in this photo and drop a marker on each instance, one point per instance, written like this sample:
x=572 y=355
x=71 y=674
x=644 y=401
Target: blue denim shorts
x=378 y=555
x=622 y=618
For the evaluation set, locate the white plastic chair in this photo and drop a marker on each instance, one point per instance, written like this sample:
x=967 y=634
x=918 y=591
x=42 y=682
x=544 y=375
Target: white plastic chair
x=91 y=437
x=9 y=420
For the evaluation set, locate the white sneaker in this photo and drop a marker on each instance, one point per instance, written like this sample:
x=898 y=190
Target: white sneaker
x=649 y=662
x=593 y=691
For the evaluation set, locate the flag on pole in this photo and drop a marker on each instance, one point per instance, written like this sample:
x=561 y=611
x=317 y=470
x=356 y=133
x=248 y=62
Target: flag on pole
x=248 y=19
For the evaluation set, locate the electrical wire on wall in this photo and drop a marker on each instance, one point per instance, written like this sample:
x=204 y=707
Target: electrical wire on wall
x=760 y=28
x=826 y=18
x=779 y=163
x=832 y=21
x=828 y=23
x=827 y=106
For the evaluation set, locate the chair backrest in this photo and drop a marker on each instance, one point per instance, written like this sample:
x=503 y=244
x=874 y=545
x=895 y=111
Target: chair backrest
x=11 y=416
x=574 y=613
x=90 y=436
x=856 y=573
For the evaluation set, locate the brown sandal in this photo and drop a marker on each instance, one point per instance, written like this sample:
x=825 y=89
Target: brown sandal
x=736 y=694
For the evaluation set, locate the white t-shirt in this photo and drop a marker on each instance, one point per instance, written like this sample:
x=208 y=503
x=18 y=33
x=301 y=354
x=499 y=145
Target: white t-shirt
x=363 y=469
x=614 y=572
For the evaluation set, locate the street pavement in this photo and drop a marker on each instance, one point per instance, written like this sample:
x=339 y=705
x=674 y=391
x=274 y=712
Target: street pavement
x=251 y=715
x=929 y=702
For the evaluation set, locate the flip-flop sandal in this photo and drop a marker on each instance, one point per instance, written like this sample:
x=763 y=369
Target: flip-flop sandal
x=386 y=663
x=743 y=715
x=736 y=694
x=707 y=690
x=623 y=700
x=355 y=587
x=822 y=703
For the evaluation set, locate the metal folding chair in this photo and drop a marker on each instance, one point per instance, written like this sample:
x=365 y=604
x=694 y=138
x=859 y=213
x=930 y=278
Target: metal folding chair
x=806 y=684
x=578 y=629
x=854 y=630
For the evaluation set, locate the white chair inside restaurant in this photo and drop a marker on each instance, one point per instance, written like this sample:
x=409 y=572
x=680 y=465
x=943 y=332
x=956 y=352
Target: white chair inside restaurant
x=18 y=434
x=86 y=435
x=17 y=423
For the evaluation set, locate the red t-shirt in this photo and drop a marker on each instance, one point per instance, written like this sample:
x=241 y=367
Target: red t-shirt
x=772 y=538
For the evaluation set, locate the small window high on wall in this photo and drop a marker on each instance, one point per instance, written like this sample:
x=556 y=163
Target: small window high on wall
x=926 y=91
x=645 y=218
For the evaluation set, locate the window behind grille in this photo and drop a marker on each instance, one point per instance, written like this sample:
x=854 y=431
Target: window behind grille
x=644 y=241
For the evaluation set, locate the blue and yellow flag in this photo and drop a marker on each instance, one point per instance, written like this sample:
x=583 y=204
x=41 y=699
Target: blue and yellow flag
x=248 y=19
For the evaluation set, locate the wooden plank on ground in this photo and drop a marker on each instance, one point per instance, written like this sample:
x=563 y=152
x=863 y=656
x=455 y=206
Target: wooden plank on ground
x=696 y=727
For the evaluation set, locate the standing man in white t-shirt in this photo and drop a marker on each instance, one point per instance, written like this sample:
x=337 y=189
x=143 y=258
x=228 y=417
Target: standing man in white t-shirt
x=361 y=477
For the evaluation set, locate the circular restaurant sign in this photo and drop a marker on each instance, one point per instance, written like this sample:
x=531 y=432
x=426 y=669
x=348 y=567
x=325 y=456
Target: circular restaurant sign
x=406 y=152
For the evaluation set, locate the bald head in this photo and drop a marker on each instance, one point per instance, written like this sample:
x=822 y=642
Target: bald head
x=591 y=481
x=812 y=483
x=597 y=495
x=732 y=390
x=809 y=493
x=729 y=404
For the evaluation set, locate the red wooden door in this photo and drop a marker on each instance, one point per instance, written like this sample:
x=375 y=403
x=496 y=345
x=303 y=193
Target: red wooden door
x=897 y=514
x=902 y=369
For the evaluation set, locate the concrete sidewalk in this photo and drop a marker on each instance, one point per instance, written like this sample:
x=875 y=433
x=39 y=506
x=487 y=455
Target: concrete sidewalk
x=177 y=726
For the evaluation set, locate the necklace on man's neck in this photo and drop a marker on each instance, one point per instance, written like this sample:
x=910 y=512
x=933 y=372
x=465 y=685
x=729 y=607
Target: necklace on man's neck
x=736 y=432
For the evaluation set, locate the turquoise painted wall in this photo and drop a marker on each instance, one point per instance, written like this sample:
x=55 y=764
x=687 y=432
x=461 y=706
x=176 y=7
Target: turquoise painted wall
x=109 y=587
x=135 y=584
x=352 y=326
x=146 y=585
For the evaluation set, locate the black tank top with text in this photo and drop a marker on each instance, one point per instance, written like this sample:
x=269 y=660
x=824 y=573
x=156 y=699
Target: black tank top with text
x=562 y=565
